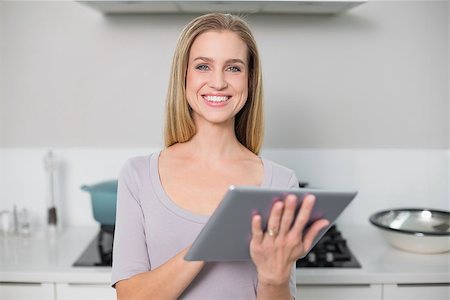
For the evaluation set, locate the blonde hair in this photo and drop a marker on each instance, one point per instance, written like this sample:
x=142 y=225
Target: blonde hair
x=249 y=122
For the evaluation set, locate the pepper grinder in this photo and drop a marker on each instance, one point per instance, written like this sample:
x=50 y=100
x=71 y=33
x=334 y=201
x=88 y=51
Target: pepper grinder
x=50 y=168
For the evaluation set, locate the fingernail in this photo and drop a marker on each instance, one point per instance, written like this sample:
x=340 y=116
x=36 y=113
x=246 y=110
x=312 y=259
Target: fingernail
x=291 y=198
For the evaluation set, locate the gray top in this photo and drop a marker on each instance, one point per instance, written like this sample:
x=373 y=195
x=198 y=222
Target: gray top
x=151 y=228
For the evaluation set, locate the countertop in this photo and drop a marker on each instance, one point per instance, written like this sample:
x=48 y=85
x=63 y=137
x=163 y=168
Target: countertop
x=45 y=257
x=380 y=263
x=48 y=257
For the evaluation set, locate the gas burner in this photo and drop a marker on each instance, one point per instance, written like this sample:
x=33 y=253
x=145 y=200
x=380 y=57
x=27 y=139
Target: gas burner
x=330 y=252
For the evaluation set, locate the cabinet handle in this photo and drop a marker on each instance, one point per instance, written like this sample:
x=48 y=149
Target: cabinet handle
x=345 y=285
x=423 y=284
x=79 y=284
x=19 y=283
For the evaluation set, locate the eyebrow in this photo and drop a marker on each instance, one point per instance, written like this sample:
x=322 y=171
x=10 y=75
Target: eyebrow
x=228 y=61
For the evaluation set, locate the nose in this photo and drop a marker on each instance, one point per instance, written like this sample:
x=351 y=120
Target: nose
x=218 y=81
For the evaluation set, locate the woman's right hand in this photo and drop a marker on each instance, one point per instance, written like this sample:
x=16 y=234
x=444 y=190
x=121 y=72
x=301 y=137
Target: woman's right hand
x=276 y=250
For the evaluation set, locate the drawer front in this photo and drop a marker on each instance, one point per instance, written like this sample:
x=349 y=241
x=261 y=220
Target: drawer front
x=348 y=292
x=416 y=291
x=70 y=291
x=27 y=291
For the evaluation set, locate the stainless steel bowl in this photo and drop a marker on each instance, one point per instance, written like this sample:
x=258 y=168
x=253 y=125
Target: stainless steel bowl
x=417 y=230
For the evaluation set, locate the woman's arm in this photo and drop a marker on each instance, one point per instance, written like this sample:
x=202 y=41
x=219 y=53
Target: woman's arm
x=275 y=251
x=131 y=262
x=168 y=281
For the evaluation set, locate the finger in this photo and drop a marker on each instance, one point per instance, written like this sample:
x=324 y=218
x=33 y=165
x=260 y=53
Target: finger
x=273 y=224
x=288 y=213
x=313 y=231
x=304 y=213
x=257 y=233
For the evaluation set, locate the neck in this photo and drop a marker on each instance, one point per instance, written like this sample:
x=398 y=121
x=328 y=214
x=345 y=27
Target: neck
x=213 y=141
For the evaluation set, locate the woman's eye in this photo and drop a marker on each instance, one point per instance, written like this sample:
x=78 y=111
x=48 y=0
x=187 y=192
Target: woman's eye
x=202 y=67
x=234 y=69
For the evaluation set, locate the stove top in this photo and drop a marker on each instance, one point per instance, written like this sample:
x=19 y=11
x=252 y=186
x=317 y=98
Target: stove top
x=330 y=252
x=99 y=251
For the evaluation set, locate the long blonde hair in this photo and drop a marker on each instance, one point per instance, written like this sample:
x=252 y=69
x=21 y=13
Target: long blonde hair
x=249 y=122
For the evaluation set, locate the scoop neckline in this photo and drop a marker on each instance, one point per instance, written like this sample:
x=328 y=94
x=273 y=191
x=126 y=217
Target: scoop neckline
x=175 y=208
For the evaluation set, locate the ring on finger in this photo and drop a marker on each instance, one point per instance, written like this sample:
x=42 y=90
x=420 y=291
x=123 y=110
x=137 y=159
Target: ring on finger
x=272 y=232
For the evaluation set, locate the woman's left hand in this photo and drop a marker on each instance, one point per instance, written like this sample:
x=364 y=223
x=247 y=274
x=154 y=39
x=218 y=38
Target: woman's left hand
x=275 y=250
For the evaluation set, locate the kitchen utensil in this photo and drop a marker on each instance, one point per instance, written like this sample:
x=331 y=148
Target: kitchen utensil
x=24 y=222
x=417 y=230
x=103 y=199
x=50 y=167
x=15 y=220
x=5 y=221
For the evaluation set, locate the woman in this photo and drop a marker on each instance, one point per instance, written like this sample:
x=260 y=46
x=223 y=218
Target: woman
x=213 y=135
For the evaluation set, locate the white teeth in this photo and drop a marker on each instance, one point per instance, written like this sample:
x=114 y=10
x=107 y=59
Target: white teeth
x=216 y=98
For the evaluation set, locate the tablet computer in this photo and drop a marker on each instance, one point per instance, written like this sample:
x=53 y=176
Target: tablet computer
x=227 y=234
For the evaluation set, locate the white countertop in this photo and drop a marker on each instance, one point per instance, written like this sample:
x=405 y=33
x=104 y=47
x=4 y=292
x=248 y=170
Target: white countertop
x=48 y=258
x=380 y=263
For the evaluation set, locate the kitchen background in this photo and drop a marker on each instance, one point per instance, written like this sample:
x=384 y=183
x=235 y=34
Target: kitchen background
x=358 y=100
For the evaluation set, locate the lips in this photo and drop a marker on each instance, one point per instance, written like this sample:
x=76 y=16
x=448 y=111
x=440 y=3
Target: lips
x=216 y=98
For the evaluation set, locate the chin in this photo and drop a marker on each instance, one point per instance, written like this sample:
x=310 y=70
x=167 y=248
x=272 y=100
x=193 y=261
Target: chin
x=218 y=120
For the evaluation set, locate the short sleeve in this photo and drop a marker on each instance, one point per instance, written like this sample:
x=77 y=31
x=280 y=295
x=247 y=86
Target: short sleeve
x=130 y=255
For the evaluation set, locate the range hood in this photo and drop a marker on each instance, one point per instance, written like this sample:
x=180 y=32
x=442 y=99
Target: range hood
x=231 y=6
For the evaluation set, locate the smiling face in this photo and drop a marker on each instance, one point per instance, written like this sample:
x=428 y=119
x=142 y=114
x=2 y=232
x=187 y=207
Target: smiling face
x=217 y=77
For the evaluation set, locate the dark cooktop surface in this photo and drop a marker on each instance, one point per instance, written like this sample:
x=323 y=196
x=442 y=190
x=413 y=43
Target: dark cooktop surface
x=99 y=251
x=330 y=252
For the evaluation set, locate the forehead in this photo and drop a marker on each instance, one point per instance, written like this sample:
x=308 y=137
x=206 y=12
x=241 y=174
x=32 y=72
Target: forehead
x=218 y=45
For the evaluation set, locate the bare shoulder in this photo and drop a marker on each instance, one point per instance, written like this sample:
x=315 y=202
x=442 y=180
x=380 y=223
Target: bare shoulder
x=251 y=160
x=179 y=158
x=172 y=154
x=250 y=164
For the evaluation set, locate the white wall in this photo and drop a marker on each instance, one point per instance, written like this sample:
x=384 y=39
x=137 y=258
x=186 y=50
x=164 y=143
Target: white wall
x=2 y=97
x=357 y=101
x=375 y=77
x=385 y=178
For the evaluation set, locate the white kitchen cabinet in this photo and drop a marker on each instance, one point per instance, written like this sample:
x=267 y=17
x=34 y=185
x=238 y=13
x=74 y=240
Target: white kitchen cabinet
x=77 y=291
x=27 y=291
x=238 y=6
x=348 y=292
x=416 y=291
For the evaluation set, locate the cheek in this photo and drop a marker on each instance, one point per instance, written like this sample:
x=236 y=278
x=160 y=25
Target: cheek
x=242 y=86
x=193 y=83
x=190 y=89
x=189 y=81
